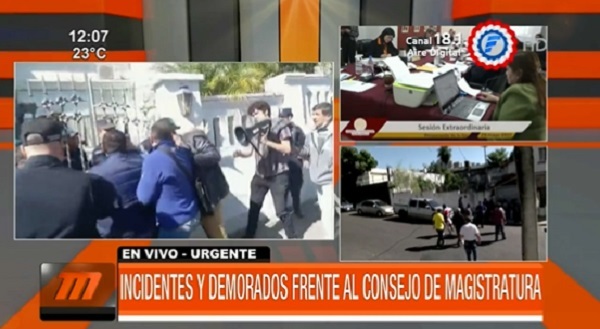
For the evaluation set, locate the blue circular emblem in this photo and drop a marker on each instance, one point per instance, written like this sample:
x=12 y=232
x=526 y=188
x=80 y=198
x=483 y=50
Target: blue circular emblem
x=492 y=44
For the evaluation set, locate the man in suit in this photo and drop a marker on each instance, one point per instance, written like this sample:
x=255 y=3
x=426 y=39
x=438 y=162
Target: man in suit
x=348 y=44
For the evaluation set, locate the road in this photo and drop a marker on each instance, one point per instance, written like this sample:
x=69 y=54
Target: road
x=389 y=239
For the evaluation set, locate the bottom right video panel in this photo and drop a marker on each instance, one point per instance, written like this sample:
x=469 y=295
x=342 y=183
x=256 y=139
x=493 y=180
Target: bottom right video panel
x=446 y=203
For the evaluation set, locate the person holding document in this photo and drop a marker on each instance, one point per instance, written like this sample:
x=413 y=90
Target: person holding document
x=383 y=46
x=524 y=100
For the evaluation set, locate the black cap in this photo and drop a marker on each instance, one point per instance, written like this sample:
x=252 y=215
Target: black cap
x=286 y=112
x=165 y=124
x=42 y=131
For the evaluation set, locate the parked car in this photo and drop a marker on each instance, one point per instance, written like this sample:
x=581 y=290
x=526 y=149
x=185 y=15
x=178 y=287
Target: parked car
x=418 y=208
x=346 y=206
x=375 y=207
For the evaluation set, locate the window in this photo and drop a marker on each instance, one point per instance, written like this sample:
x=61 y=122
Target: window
x=542 y=154
x=230 y=130
x=217 y=131
x=417 y=29
x=412 y=203
x=405 y=29
x=423 y=204
x=367 y=204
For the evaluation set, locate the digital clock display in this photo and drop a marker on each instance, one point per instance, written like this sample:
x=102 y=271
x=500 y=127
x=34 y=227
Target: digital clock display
x=83 y=36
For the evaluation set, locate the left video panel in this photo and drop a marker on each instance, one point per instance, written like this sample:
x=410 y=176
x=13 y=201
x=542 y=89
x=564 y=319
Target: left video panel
x=174 y=151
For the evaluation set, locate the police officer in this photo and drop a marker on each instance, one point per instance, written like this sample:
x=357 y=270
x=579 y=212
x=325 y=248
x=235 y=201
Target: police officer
x=51 y=200
x=295 y=163
x=98 y=155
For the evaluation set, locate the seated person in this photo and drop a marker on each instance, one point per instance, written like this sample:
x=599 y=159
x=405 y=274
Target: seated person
x=383 y=46
x=524 y=100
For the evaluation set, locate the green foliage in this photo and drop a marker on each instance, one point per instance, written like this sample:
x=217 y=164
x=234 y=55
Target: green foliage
x=353 y=164
x=235 y=79
x=498 y=158
x=444 y=154
x=404 y=179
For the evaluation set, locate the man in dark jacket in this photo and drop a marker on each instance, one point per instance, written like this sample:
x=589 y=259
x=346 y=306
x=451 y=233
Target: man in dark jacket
x=51 y=200
x=208 y=171
x=98 y=154
x=123 y=168
x=295 y=163
x=348 y=46
x=76 y=158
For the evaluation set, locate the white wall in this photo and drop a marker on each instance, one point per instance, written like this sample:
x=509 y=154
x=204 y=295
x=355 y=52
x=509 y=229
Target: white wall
x=372 y=32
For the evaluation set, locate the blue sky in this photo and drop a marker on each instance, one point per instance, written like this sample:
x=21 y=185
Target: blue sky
x=415 y=157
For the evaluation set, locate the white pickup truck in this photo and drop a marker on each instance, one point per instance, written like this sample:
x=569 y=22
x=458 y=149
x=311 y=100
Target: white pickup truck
x=417 y=208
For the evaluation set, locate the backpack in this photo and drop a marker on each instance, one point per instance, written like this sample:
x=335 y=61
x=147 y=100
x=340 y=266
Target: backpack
x=298 y=138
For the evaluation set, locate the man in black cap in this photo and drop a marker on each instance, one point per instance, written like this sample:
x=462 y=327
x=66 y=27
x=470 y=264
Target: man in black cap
x=51 y=200
x=295 y=162
x=98 y=155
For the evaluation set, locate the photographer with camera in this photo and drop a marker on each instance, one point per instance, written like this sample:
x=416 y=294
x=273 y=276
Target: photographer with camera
x=271 y=146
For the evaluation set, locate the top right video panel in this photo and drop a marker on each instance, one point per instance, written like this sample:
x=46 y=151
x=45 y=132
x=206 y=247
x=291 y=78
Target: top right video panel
x=484 y=82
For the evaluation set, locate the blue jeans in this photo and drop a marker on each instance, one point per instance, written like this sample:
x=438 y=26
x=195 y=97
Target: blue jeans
x=184 y=231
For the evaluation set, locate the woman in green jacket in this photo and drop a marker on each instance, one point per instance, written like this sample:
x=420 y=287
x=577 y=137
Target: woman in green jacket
x=525 y=99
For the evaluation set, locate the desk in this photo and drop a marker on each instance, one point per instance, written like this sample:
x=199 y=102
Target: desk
x=379 y=103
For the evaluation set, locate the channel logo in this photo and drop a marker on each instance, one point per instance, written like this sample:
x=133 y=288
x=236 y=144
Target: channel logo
x=492 y=45
x=77 y=292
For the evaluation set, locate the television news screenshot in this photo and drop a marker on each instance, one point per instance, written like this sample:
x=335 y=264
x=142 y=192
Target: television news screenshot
x=283 y=163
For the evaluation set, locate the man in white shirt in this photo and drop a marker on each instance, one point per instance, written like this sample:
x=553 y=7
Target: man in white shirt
x=470 y=237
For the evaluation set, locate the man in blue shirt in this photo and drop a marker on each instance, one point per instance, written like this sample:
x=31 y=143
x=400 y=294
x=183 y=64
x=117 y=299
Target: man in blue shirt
x=167 y=184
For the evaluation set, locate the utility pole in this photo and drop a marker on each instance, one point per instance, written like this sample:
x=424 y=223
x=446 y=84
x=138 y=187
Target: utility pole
x=524 y=165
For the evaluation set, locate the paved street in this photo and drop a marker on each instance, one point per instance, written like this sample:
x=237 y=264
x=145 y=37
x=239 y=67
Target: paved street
x=309 y=227
x=388 y=239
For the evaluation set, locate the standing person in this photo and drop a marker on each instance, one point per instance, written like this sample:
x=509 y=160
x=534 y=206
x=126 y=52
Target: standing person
x=468 y=212
x=348 y=44
x=460 y=203
x=383 y=46
x=208 y=172
x=123 y=168
x=98 y=154
x=295 y=163
x=271 y=151
x=318 y=149
x=439 y=226
x=480 y=214
x=499 y=220
x=167 y=184
x=470 y=236
x=51 y=200
x=76 y=158
x=458 y=220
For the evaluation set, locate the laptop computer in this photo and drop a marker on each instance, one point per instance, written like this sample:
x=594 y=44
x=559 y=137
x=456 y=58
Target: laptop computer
x=452 y=103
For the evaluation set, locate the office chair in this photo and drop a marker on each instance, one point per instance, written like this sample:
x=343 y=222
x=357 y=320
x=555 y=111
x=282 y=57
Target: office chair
x=362 y=46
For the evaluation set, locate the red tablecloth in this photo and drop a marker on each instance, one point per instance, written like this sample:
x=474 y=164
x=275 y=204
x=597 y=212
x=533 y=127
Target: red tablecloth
x=379 y=103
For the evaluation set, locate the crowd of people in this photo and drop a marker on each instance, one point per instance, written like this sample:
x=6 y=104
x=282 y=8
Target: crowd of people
x=169 y=185
x=465 y=223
